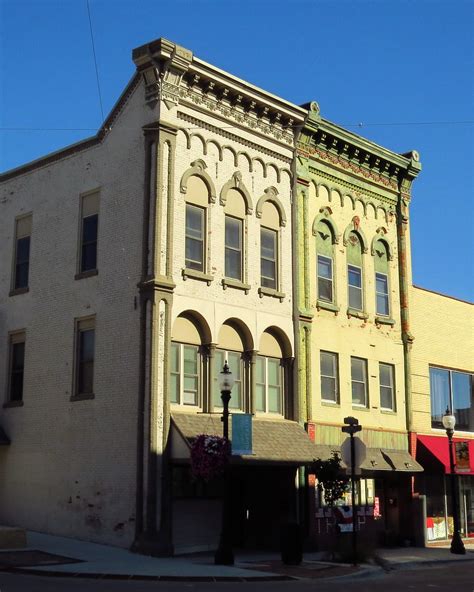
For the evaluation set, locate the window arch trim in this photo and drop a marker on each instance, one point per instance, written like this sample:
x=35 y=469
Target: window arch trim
x=325 y=216
x=198 y=169
x=235 y=182
x=355 y=227
x=271 y=194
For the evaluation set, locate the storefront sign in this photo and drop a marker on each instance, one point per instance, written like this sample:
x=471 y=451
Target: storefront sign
x=462 y=457
x=241 y=434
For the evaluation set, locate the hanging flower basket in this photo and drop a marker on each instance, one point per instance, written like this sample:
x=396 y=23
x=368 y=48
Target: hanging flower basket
x=209 y=456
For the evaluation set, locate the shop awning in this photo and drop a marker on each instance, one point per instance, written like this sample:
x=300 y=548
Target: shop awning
x=438 y=447
x=380 y=459
x=274 y=442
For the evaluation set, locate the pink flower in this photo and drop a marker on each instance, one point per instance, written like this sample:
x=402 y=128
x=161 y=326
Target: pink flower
x=209 y=456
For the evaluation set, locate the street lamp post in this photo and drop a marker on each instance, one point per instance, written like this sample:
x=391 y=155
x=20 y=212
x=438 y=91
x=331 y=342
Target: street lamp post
x=352 y=427
x=457 y=546
x=224 y=554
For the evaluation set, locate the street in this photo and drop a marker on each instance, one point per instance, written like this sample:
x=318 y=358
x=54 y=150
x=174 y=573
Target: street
x=459 y=577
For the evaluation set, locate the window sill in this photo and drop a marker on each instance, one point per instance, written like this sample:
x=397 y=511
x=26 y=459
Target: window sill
x=85 y=274
x=83 y=397
x=17 y=291
x=327 y=403
x=360 y=407
x=359 y=314
x=194 y=274
x=388 y=411
x=321 y=304
x=230 y=283
x=272 y=293
x=384 y=321
x=13 y=404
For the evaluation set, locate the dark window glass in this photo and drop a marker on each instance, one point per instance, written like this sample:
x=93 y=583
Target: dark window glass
x=381 y=289
x=268 y=258
x=387 y=391
x=89 y=243
x=359 y=381
x=463 y=400
x=194 y=238
x=233 y=248
x=329 y=376
x=22 y=262
x=85 y=371
x=355 y=287
x=17 y=354
x=325 y=291
x=440 y=395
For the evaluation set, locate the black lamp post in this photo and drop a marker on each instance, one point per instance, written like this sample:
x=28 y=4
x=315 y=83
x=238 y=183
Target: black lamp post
x=224 y=554
x=457 y=546
x=352 y=427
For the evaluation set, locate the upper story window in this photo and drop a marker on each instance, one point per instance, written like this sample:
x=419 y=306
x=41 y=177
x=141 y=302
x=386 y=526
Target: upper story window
x=453 y=390
x=233 y=248
x=16 y=367
x=84 y=358
x=354 y=272
x=359 y=382
x=89 y=232
x=236 y=366
x=185 y=374
x=387 y=386
x=195 y=237
x=196 y=244
x=21 y=264
x=269 y=246
x=381 y=279
x=329 y=366
x=269 y=376
x=325 y=262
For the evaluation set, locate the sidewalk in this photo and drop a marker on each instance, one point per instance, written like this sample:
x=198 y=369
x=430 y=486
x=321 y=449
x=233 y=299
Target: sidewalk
x=51 y=555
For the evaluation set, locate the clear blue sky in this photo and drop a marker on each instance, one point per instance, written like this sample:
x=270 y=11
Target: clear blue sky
x=392 y=63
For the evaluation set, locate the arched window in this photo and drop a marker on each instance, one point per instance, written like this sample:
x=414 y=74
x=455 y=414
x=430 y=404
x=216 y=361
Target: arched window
x=230 y=347
x=235 y=209
x=325 y=262
x=186 y=364
x=269 y=246
x=197 y=199
x=381 y=258
x=355 y=272
x=269 y=377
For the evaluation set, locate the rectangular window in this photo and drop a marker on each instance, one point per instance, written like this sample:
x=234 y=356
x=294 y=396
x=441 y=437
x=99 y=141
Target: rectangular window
x=195 y=233
x=233 y=248
x=268 y=258
x=453 y=390
x=381 y=293
x=22 y=252
x=85 y=346
x=387 y=386
x=185 y=363
x=325 y=279
x=329 y=377
x=234 y=360
x=355 y=286
x=89 y=232
x=359 y=382
x=16 y=367
x=268 y=396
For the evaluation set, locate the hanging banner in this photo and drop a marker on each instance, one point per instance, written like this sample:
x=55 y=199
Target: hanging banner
x=461 y=450
x=241 y=434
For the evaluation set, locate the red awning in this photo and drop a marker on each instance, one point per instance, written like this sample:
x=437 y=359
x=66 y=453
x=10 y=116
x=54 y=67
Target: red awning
x=439 y=448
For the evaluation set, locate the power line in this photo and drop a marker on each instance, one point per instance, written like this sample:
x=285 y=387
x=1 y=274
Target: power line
x=95 y=62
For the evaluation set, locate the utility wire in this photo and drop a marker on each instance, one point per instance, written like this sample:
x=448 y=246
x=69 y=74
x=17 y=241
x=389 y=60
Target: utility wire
x=361 y=124
x=95 y=63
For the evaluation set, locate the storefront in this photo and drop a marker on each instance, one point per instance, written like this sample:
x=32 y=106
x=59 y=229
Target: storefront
x=433 y=455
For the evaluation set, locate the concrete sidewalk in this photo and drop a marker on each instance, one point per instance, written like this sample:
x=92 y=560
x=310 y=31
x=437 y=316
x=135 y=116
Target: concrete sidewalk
x=101 y=561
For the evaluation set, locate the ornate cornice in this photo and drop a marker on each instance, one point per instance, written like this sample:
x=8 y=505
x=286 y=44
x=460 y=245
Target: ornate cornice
x=172 y=74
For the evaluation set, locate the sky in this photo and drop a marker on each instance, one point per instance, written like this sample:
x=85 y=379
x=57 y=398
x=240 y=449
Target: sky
x=398 y=72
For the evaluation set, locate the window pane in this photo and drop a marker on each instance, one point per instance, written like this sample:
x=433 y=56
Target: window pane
x=355 y=276
x=174 y=362
x=17 y=370
x=219 y=358
x=174 y=388
x=357 y=369
x=386 y=374
x=328 y=364
x=439 y=389
x=324 y=267
x=89 y=229
x=382 y=305
x=22 y=262
x=233 y=232
x=23 y=249
x=194 y=221
x=381 y=283
x=355 y=298
x=274 y=373
x=358 y=393
x=233 y=264
x=328 y=389
x=260 y=397
x=274 y=402
x=18 y=356
x=236 y=396
x=194 y=254
x=194 y=245
x=86 y=345
x=386 y=397
x=325 y=289
x=268 y=243
x=463 y=400
x=235 y=361
x=359 y=382
x=86 y=376
x=260 y=370
x=89 y=256
x=190 y=360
